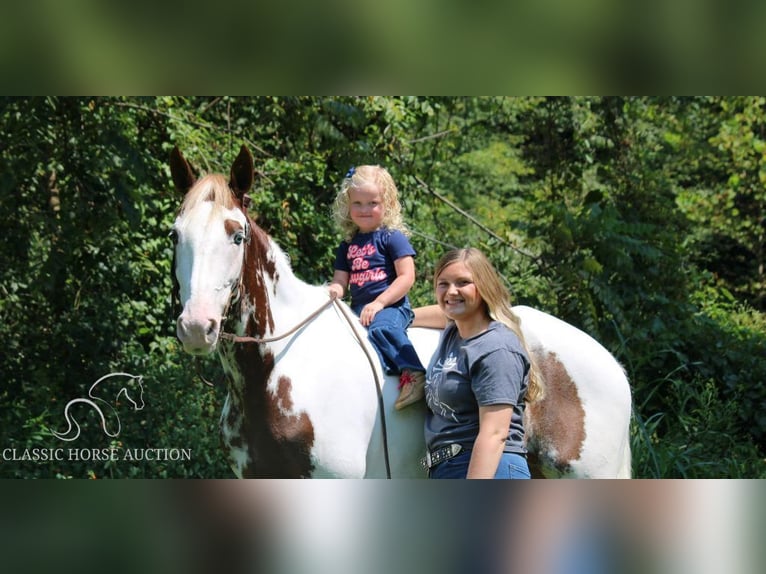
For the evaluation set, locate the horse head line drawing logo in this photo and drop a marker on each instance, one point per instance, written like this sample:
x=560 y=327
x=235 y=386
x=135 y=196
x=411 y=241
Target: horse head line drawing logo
x=95 y=402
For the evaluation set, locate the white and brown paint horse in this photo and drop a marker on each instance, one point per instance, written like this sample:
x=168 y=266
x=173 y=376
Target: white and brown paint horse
x=307 y=404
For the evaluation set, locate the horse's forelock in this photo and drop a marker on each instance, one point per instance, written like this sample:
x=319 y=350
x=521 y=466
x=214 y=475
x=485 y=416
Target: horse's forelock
x=214 y=188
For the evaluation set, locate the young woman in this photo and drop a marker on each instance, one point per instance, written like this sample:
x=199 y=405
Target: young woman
x=479 y=376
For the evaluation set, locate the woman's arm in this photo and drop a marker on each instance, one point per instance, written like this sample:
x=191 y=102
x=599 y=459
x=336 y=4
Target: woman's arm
x=494 y=422
x=430 y=316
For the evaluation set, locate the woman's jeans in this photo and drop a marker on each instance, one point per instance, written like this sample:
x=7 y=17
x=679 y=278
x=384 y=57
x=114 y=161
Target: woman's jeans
x=511 y=465
x=388 y=334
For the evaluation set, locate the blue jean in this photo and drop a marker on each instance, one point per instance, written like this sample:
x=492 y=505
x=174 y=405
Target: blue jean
x=511 y=465
x=388 y=334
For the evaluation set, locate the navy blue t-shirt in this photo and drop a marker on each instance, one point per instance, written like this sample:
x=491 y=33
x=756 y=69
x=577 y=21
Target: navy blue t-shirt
x=369 y=260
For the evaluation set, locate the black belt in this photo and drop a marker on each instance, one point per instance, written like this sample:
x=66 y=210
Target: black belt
x=434 y=457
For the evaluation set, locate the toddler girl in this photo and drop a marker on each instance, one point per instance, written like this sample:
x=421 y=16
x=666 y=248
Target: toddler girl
x=376 y=263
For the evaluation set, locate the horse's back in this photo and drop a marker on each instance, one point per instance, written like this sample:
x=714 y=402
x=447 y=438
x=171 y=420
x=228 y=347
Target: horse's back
x=404 y=428
x=581 y=426
x=576 y=347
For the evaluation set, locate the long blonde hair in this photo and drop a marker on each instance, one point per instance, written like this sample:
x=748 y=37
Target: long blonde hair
x=369 y=175
x=497 y=301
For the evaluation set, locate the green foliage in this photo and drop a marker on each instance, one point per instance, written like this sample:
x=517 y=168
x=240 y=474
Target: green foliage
x=697 y=437
x=729 y=208
x=639 y=220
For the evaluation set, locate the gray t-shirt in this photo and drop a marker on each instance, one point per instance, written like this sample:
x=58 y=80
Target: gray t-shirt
x=490 y=368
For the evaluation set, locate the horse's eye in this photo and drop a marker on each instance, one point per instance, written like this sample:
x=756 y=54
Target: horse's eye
x=239 y=237
x=173 y=236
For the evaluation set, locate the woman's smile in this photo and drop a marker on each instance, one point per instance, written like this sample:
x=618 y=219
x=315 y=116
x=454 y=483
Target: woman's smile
x=457 y=294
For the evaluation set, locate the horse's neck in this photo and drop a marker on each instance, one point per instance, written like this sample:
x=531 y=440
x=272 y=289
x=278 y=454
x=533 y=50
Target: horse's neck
x=293 y=298
x=275 y=295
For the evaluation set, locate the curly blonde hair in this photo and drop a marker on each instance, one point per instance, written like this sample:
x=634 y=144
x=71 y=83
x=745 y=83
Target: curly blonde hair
x=497 y=302
x=369 y=175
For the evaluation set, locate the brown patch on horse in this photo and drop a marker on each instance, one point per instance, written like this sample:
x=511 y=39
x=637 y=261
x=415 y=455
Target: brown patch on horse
x=296 y=430
x=278 y=442
x=555 y=425
x=256 y=266
x=232 y=226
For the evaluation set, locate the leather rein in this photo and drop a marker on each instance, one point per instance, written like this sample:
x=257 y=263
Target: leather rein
x=237 y=339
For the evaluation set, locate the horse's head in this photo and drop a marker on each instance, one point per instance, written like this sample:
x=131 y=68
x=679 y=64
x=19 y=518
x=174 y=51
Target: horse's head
x=210 y=234
x=133 y=389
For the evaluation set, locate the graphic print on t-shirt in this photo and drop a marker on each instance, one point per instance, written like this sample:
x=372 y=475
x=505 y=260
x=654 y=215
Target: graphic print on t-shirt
x=370 y=261
x=359 y=261
x=432 y=392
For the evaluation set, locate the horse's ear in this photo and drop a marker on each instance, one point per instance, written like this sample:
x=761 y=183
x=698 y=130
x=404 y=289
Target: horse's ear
x=242 y=171
x=183 y=176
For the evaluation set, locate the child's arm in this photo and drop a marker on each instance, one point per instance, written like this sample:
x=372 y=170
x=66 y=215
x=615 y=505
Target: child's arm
x=405 y=278
x=337 y=287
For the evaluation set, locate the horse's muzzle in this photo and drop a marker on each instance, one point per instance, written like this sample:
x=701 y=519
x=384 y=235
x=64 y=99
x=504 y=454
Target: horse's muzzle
x=198 y=335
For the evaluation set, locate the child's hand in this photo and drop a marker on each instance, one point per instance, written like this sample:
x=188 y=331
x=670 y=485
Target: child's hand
x=369 y=312
x=335 y=291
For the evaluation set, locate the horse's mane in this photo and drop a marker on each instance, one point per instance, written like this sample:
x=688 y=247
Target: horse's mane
x=212 y=187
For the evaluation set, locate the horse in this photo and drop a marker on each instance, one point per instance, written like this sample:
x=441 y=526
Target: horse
x=95 y=403
x=306 y=398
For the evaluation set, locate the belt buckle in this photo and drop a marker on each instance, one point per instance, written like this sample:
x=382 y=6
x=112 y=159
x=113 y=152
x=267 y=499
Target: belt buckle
x=454 y=450
x=440 y=455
